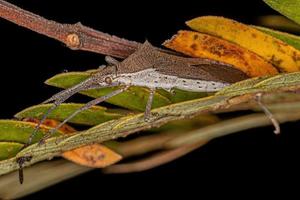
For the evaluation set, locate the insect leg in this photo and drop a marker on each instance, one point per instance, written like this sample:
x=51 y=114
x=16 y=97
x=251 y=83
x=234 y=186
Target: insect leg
x=59 y=99
x=149 y=105
x=70 y=91
x=85 y=107
x=268 y=113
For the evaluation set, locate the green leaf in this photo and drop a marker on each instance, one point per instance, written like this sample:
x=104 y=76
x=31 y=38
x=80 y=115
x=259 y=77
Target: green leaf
x=180 y=95
x=18 y=131
x=290 y=39
x=289 y=8
x=92 y=116
x=9 y=149
x=135 y=98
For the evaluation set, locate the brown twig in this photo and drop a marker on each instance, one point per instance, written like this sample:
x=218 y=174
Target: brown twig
x=76 y=36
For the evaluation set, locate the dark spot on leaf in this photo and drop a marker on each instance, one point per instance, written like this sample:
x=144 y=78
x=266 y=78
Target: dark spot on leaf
x=295 y=57
x=275 y=60
x=194 y=47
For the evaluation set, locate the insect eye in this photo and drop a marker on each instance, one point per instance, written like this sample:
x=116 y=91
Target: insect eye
x=108 y=80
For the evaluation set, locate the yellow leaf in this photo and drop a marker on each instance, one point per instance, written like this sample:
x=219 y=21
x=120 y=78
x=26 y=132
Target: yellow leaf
x=285 y=57
x=205 y=46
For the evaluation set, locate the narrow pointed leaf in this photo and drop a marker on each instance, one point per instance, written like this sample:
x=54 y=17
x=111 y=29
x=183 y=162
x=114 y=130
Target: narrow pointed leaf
x=18 y=131
x=9 y=149
x=202 y=45
x=180 y=95
x=92 y=116
x=283 y=56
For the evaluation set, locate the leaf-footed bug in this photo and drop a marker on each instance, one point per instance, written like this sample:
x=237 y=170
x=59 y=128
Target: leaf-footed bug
x=148 y=67
x=152 y=68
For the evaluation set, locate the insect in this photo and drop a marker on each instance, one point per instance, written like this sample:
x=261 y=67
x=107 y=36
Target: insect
x=152 y=68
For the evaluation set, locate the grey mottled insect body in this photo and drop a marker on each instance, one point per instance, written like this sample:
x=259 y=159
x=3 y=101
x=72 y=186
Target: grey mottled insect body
x=152 y=68
x=153 y=79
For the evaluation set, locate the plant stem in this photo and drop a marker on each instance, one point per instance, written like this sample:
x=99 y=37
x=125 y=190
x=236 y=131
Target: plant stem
x=76 y=36
x=133 y=123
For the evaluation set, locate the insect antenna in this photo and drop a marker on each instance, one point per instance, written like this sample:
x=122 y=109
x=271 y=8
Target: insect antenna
x=85 y=107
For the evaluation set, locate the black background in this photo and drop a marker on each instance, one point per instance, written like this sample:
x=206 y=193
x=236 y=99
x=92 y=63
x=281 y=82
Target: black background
x=251 y=161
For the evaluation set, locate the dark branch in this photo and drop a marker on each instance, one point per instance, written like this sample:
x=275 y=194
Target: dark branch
x=75 y=36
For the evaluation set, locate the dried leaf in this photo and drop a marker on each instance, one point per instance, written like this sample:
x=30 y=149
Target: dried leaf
x=289 y=8
x=92 y=116
x=283 y=56
x=95 y=155
x=205 y=46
